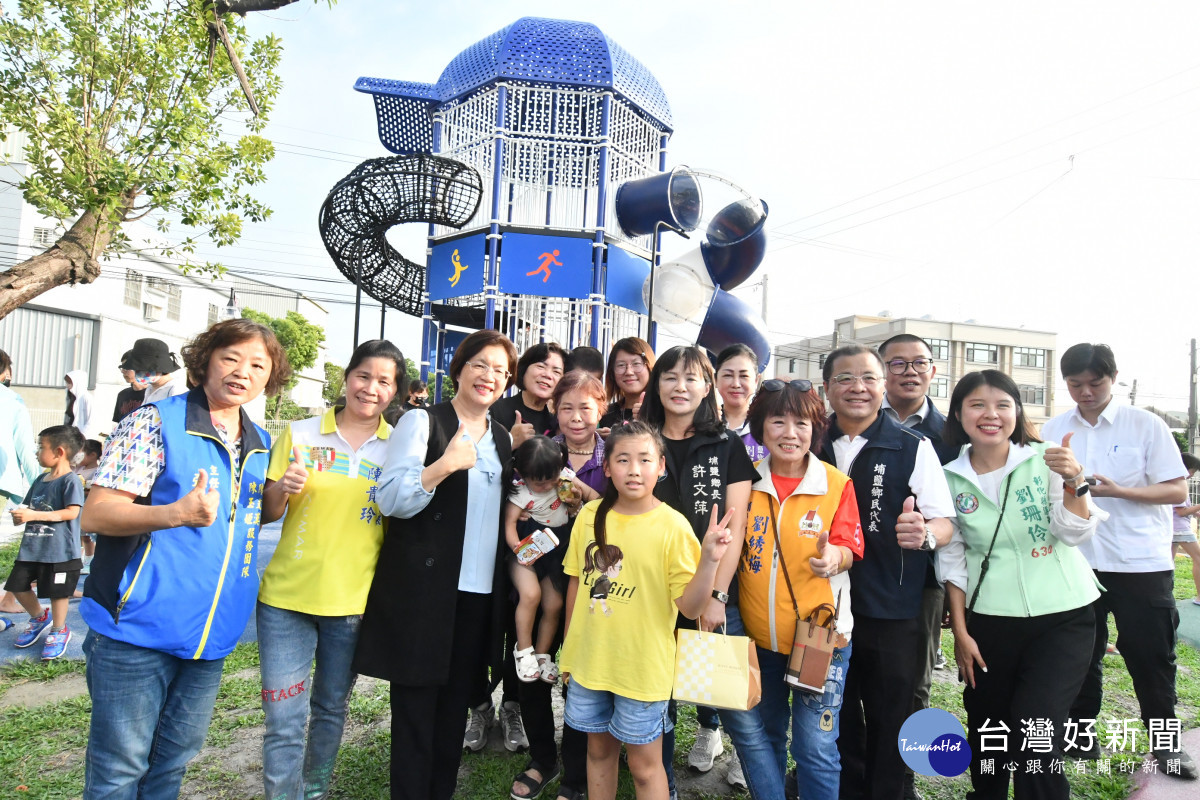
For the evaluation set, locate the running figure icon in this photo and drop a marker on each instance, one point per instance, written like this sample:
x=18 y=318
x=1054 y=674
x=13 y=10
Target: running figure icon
x=547 y=260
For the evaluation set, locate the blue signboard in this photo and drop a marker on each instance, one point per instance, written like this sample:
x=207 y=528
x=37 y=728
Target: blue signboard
x=549 y=266
x=456 y=267
x=450 y=342
x=623 y=279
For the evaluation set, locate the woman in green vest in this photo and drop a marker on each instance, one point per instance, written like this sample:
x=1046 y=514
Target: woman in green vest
x=1020 y=592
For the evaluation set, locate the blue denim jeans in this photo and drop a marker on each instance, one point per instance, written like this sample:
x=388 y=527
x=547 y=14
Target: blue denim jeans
x=298 y=700
x=764 y=777
x=150 y=715
x=814 y=720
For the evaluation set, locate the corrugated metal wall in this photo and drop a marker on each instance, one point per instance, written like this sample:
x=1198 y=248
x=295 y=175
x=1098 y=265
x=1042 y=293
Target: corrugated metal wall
x=46 y=345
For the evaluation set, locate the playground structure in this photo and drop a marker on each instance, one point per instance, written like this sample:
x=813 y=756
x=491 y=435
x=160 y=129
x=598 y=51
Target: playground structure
x=553 y=116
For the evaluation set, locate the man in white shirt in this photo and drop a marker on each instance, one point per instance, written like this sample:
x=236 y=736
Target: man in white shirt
x=904 y=507
x=1140 y=476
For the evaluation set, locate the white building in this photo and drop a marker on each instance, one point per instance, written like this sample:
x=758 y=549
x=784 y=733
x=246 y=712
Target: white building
x=90 y=326
x=1029 y=357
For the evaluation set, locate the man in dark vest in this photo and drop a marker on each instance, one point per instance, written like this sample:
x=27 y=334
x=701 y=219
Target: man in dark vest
x=904 y=505
x=910 y=370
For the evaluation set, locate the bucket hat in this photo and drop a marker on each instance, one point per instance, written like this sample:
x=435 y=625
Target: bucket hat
x=150 y=355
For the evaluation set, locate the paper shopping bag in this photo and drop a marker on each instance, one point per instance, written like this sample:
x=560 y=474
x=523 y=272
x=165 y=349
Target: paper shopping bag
x=812 y=651
x=716 y=670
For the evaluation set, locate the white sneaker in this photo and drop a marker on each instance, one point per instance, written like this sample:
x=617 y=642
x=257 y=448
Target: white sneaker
x=512 y=727
x=480 y=720
x=707 y=747
x=735 y=777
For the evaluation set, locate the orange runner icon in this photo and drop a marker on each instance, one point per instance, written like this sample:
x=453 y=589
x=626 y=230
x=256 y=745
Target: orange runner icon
x=547 y=260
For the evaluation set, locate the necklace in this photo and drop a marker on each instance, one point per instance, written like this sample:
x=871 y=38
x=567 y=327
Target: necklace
x=582 y=452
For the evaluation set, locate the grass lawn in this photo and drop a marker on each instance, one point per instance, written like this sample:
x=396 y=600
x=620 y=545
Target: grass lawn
x=42 y=740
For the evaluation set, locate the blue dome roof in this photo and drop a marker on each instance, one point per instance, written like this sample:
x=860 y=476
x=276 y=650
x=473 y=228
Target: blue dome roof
x=555 y=51
x=550 y=52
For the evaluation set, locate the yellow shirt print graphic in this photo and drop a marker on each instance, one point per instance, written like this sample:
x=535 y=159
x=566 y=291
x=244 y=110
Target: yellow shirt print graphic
x=459 y=268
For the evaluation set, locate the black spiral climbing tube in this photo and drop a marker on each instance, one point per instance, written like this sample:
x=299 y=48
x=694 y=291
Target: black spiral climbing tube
x=383 y=192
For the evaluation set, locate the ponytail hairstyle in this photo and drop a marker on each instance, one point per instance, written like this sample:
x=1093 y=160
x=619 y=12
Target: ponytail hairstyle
x=600 y=555
x=539 y=458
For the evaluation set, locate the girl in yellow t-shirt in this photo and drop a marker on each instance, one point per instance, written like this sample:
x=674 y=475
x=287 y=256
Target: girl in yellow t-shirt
x=639 y=562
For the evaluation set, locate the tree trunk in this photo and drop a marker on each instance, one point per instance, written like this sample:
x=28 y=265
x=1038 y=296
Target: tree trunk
x=245 y=6
x=72 y=259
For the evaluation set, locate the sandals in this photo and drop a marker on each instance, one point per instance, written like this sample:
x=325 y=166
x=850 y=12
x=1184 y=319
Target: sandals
x=547 y=669
x=570 y=794
x=528 y=669
x=535 y=786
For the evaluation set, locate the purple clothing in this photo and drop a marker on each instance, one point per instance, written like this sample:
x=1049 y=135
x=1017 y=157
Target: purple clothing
x=592 y=473
x=756 y=451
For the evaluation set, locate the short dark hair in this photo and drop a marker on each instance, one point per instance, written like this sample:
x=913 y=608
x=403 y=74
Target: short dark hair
x=536 y=355
x=634 y=347
x=5 y=362
x=381 y=348
x=707 y=418
x=1084 y=357
x=477 y=341
x=733 y=351
x=1190 y=462
x=588 y=359
x=953 y=433
x=845 y=351
x=197 y=353
x=582 y=380
x=67 y=437
x=902 y=338
x=790 y=400
x=416 y=385
x=94 y=447
x=539 y=458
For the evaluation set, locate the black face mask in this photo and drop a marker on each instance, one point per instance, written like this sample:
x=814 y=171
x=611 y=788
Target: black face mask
x=6 y=382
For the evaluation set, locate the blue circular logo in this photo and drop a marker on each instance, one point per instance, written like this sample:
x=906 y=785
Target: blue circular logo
x=933 y=742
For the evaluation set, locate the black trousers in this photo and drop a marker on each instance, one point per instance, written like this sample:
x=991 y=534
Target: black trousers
x=1035 y=666
x=428 y=721
x=1143 y=606
x=538 y=716
x=883 y=674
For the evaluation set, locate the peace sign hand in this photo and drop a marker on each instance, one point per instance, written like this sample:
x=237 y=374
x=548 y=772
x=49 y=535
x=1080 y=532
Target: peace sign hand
x=717 y=538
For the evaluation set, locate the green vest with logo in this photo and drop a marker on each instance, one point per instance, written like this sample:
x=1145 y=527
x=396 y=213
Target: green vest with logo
x=1031 y=571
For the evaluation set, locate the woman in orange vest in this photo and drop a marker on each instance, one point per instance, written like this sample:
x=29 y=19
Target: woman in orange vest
x=802 y=536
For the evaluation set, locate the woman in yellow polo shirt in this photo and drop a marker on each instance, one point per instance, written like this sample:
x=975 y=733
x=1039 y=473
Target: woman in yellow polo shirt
x=323 y=471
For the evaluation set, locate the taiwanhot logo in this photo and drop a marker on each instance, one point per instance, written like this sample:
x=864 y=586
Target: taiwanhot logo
x=933 y=742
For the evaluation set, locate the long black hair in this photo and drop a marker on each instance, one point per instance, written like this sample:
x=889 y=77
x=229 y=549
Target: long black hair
x=599 y=554
x=707 y=418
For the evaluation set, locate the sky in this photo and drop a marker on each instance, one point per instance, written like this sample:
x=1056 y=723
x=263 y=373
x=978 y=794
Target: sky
x=1019 y=164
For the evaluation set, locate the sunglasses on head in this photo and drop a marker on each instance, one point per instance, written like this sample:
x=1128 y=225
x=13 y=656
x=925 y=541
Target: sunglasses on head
x=776 y=385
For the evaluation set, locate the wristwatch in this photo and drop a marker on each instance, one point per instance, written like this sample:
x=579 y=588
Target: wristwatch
x=930 y=540
x=1077 y=489
x=720 y=596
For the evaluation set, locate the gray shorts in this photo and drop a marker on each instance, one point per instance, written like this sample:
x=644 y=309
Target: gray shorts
x=1182 y=537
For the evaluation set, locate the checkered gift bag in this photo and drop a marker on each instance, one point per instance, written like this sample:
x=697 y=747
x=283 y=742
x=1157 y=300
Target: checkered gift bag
x=716 y=670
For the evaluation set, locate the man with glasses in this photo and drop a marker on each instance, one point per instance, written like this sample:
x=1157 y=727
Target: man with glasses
x=910 y=369
x=904 y=505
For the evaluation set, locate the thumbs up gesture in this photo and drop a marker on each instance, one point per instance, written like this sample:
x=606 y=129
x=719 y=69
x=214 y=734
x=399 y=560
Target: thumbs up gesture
x=1061 y=459
x=828 y=561
x=293 y=479
x=637 y=407
x=197 y=508
x=521 y=430
x=460 y=451
x=910 y=526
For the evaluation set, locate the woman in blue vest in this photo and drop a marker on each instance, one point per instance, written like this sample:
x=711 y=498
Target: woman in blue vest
x=1020 y=592
x=431 y=625
x=176 y=499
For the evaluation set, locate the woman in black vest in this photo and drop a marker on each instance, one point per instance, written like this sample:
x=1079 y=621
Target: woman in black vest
x=430 y=625
x=707 y=468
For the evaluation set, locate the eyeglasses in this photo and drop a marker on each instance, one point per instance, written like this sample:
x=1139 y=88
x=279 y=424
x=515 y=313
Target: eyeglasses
x=629 y=366
x=846 y=379
x=482 y=369
x=919 y=365
x=776 y=385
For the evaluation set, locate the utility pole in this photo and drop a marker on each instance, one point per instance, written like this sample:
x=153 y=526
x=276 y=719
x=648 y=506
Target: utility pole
x=1133 y=393
x=1191 y=430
